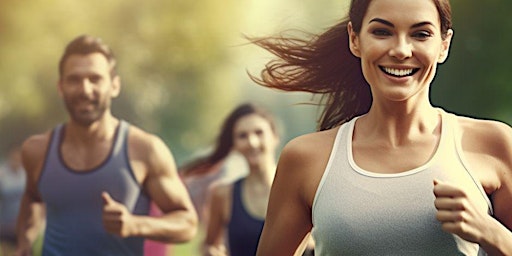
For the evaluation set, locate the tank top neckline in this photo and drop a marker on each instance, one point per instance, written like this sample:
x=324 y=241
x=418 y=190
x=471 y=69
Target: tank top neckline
x=440 y=145
x=238 y=195
x=60 y=133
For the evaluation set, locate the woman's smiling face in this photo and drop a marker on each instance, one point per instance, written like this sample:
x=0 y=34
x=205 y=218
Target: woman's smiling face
x=400 y=45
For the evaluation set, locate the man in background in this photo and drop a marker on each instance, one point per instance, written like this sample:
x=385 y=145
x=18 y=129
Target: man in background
x=97 y=174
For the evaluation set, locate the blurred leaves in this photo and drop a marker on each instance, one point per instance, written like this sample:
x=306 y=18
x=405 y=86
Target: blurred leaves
x=170 y=54
x=475 y=80
x=183 y=64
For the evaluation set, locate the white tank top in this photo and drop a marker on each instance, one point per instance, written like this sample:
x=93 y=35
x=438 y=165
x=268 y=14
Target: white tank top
x=357 y=212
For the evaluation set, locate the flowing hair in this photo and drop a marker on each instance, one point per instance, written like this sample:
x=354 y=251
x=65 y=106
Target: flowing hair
x=323 y=64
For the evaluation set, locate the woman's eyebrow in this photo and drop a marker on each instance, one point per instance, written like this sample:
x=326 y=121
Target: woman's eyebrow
x=387 y=23
x=379 y=20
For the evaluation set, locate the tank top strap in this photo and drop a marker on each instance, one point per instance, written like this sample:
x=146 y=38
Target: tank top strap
x=457 y=133
x=237 y=199
x=121 y=137
x=52 y=155
x=339 y=152
x=56 y=138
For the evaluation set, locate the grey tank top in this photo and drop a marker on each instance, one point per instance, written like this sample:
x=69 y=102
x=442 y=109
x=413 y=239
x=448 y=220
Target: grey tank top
x=357 y=212
x=74 y=204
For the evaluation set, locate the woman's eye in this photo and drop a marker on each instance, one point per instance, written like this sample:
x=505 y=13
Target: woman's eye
x=381 y=32
x=422 y=34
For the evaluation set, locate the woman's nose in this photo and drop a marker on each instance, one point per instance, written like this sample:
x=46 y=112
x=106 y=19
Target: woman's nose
x=254 y=141
x=402 y=49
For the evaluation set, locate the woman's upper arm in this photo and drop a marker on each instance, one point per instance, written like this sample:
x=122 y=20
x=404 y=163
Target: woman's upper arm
x=493 y=141
x=503 y=195
x=288 y=218
x=217 y=216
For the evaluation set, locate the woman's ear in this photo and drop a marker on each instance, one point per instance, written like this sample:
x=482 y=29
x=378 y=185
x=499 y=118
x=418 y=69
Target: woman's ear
x=445 y=46
x=353 y=40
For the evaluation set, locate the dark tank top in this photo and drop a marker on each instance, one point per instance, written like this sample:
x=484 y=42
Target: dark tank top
x=244 y=230
x=74 y=203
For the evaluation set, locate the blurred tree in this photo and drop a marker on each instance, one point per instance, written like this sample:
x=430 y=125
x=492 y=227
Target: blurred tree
x=475 y=79
x=172 y=59
x=183 y=64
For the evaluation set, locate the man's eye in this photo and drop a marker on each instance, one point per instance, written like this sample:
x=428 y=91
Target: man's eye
x=73 y=79
x=95 y=79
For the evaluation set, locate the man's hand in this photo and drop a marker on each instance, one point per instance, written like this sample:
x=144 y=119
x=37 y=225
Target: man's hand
x=116 y=218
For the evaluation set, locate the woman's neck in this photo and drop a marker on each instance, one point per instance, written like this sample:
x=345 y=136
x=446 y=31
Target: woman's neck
x=263 y=173
x=399 y=126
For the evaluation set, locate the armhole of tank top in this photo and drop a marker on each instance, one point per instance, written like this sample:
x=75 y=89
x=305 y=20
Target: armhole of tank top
x=123 y=139
x=327 y=169
x=230 y=205
x=53 y=135
x=236 y=194
x=457 y=136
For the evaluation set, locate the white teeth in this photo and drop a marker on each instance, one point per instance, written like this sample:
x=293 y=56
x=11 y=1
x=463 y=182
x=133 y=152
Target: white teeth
x=399 y=72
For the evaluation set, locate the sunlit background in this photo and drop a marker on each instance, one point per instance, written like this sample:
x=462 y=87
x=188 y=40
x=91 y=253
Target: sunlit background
x=184 y=63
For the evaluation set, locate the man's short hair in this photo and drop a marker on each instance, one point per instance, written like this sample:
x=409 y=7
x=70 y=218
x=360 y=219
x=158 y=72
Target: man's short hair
x=86 y=44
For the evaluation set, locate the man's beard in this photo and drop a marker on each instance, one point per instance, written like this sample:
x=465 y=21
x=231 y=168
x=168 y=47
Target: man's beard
x=85 y=118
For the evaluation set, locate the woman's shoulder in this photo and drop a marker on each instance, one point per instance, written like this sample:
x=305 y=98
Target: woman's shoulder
x=303 y=161
x=311 y=143
x=490 y=131
x=221 y=190
x=308 y=152
x=489 y=137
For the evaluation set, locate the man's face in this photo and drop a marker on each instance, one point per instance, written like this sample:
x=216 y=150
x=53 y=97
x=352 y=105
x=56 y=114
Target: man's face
x=87 y=87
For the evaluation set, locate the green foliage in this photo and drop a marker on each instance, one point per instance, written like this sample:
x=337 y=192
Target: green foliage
x=170 y=55
x=183 y=63
x=475 y=79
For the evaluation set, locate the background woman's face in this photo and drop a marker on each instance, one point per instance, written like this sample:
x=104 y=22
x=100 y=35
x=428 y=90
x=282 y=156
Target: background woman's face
x=254 y=138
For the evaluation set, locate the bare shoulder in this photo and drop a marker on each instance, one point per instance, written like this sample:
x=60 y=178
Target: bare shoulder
x=311 y=143
x=34 y=150
x=149 y=156
x=303 y=161
x=484 y=126
x=149 y=149
x=144 y=142
x=221 y=191
x=493 y=137
x=487 y=145
x=220 y=200
x=309 y=147
x=33 y=153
